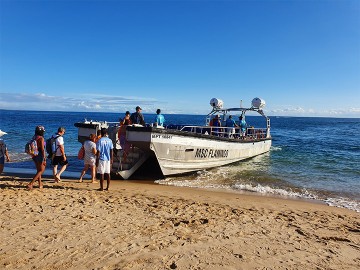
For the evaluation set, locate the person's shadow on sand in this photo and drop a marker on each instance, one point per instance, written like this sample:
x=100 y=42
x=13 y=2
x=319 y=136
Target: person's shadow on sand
x=22 y=184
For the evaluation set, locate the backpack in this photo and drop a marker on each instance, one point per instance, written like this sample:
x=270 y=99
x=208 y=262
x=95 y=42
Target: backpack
x=81 y=153
x=51 y=146
x=31 y=147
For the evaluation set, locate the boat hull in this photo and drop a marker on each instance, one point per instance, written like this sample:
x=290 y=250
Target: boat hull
x=180 y=152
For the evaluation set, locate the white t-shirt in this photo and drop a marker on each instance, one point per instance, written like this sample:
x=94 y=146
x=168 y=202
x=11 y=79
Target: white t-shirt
x=59 y=141
x=90 y=157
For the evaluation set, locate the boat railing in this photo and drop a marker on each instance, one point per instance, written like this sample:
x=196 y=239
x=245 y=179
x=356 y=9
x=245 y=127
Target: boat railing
x=225 y=132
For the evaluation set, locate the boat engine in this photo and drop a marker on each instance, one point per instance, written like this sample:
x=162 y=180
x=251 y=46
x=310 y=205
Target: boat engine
x=216 y=103
x=258 y=103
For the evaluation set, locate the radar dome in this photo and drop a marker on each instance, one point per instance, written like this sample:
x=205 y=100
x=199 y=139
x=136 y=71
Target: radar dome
x=216 y=103
x=258 y=103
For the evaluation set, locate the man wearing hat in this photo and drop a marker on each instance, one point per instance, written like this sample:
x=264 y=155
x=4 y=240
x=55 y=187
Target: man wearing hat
x=137 y=117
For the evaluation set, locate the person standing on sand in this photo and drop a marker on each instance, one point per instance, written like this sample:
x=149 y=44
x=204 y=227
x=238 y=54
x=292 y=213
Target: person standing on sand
x=89 y=158
x=40 y=158
x=3 y=153
x=60 y=157
x=104 y=159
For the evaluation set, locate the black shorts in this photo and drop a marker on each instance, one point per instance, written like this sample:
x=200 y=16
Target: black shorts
x=59 y=160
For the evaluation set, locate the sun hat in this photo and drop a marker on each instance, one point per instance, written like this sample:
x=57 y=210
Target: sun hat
x=39 y=128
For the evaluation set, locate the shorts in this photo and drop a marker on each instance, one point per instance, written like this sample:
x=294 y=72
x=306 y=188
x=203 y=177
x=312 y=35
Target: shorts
x=59 y=160
x=90 y=161
x=230 y=131
x=39 y=158
x=103 y=167
x=2 y=160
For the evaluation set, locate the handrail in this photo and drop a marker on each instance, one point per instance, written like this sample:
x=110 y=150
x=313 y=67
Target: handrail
x=228 y=132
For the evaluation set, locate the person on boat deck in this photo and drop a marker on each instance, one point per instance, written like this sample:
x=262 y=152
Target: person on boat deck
x=3 y=153
x=242 y=124
x=230 y=123
x=216 y=122
x=125 y=145
x=137 y=117
x=126 y=120
x=159 y=119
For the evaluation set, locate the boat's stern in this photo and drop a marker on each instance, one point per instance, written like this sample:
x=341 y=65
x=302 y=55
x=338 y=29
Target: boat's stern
x=86 y=128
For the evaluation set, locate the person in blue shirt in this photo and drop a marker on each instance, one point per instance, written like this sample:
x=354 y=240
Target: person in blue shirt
x=242 y=124
x=159 y=119
x=230 y=124
x=104 y=159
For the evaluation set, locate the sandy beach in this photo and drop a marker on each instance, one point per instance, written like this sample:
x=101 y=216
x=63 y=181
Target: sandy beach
x=141 y=225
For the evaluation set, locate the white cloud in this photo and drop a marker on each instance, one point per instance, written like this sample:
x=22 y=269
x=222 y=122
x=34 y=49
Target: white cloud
x=110 y=103
x=103 y=103
x=299 y=111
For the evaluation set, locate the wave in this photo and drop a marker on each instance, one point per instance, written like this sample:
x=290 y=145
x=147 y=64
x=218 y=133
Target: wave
x=343 y=203
x=275 y=148
x=263 y=190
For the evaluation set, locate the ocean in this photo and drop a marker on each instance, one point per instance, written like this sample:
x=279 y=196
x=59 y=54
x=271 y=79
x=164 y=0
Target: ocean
x=311 y=157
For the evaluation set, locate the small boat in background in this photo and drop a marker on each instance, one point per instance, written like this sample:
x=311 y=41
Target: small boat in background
x=178 y=149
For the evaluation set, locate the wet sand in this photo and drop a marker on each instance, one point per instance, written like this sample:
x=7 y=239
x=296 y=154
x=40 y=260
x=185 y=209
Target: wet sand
x=147 y=226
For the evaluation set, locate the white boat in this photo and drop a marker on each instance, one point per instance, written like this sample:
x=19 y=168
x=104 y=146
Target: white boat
x=182 y=149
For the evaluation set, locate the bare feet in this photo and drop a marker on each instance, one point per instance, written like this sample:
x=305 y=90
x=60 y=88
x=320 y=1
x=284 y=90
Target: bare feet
x=57 y=178
x=80 y=181
x=106 y=189
x=29 y=187
x=100 y=189
x=94 y=182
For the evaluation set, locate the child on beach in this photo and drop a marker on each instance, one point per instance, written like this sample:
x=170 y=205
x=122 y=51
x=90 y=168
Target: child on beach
x=40 y=158
x=90 y=158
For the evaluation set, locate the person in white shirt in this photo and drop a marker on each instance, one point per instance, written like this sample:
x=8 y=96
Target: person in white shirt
x=89 y=158
x=60 y=157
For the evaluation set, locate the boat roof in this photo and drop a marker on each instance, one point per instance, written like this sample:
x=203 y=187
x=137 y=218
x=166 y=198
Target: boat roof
x=242 y=110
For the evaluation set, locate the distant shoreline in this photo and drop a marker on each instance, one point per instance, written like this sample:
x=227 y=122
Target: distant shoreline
x=189 y=114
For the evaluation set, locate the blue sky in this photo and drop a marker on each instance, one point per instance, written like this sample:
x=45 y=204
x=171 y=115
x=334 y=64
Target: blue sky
x=301 y=57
